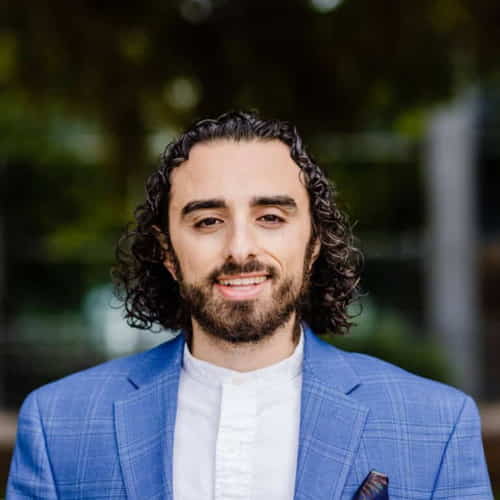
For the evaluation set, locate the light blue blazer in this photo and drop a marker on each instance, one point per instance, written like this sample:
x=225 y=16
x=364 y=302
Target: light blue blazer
x=107 y=432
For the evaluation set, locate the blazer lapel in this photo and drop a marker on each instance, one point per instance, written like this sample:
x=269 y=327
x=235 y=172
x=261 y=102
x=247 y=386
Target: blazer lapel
x=144 y=423
x=331 y=422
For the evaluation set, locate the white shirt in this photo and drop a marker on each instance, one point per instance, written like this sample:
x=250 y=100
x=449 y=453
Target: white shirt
x=236 y=433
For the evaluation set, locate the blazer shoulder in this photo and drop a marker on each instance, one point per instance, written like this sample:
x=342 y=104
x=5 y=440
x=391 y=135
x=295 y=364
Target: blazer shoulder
x=374 y=382
x=384 y=382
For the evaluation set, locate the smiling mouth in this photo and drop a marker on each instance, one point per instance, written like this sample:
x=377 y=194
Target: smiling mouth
x=254 y=280
x=241 y=287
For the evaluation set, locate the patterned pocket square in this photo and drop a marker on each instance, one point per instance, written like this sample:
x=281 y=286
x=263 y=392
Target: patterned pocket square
x=374 y=487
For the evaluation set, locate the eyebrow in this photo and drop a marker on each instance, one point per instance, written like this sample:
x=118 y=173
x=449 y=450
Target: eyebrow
x=192 y=206
x=283 y=201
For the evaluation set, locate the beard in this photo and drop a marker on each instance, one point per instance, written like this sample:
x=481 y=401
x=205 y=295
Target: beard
x=245 y=321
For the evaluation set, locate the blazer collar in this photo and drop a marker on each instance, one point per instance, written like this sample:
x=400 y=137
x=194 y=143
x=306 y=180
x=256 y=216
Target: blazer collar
x=321 y=361
x=157 y=362
x=327 y=364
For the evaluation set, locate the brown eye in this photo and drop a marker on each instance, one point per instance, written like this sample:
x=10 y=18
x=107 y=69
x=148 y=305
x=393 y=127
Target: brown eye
x=272 y=218
x=208 y=222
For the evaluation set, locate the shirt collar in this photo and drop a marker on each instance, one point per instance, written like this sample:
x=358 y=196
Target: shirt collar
x=213 y=375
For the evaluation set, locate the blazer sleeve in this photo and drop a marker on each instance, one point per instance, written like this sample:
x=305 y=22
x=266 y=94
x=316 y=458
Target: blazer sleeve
x=30 y=474
x=463 y=473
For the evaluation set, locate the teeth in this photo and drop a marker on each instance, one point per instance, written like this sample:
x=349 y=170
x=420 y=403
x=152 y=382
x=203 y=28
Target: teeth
x=243 y=281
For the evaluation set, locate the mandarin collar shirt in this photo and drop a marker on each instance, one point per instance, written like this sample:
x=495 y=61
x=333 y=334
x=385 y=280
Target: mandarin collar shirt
x=236 y=433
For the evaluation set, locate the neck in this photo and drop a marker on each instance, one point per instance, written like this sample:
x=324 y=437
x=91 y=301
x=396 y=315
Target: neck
x=246 y=357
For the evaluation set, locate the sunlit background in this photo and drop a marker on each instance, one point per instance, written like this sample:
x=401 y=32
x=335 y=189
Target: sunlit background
x=399 y=101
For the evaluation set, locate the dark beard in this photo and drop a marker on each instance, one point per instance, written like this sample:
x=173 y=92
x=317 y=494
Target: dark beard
x=239 y=322
x=245 y=321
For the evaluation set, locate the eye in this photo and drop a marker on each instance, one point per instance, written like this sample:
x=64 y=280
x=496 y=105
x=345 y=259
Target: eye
x=272 y=219
x=208 y=222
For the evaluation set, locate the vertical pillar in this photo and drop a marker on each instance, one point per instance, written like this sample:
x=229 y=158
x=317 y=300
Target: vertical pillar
x=452 y=277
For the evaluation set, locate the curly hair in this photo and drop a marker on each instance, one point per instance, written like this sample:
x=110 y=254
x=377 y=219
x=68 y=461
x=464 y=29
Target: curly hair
x=149 y=293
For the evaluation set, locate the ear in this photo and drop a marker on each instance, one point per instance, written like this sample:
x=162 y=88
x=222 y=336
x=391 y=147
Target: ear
x=163 y=241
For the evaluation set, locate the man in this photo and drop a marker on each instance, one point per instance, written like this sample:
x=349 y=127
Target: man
x=241 y=245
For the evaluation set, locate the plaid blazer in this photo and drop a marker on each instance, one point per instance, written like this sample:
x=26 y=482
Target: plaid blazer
x=107 y=432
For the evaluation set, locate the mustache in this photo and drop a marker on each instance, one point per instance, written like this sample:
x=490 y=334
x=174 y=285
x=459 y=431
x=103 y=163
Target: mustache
x=231 y=268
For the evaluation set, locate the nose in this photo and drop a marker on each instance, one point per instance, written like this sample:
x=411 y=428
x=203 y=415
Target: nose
x=241 y=243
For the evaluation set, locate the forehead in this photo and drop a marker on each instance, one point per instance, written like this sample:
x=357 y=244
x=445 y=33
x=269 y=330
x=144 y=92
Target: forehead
x=237 y=171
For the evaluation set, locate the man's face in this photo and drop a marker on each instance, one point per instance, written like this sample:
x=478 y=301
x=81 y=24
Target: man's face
x=240 y=229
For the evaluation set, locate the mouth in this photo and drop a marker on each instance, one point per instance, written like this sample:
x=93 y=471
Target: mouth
x=241 y=287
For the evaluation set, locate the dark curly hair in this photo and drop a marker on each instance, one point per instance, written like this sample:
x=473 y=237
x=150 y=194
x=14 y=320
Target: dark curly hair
x=151 y=296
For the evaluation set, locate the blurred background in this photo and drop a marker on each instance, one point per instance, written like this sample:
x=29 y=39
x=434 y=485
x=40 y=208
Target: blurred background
x=399 y=101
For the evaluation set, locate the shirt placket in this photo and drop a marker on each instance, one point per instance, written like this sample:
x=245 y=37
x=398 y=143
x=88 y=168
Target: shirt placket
x=235 y=442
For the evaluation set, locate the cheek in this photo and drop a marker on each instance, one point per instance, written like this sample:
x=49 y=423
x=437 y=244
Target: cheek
x=288 y=254
x=291 y=244
x=196 y=262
